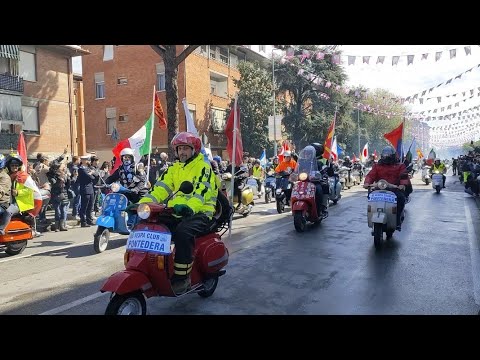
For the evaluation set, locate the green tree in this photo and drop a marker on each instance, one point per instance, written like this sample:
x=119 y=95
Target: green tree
x=374 y=124
x=307 y=114
x=255 y=103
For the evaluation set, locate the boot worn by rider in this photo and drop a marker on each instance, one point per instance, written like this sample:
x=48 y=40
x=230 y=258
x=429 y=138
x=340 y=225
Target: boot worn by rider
x=181 y=278
x=5 y=219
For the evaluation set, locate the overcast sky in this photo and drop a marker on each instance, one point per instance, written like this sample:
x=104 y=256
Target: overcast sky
x=407 y=80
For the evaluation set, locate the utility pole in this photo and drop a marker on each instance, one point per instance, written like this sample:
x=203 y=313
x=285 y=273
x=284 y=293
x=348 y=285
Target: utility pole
x=274 y=120
x=358 y=123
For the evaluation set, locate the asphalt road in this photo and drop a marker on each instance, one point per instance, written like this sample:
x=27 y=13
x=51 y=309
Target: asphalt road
x=431 y=267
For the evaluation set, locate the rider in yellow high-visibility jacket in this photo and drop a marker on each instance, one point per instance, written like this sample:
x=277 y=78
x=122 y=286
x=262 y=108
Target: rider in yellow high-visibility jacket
x=440 y=167
x=195 y=210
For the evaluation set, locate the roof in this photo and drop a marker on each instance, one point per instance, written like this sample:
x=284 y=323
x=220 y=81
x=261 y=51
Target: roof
x=71 y=50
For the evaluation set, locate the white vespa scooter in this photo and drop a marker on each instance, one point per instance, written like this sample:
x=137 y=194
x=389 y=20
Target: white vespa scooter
x=382 y=211
x=437 y=181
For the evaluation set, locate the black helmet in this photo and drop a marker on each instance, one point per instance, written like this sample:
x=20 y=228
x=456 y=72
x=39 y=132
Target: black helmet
x=14 y=159
x=318 y=149
x=388 y=155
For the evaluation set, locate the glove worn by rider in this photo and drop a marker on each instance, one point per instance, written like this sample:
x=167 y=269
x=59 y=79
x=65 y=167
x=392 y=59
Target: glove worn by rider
x=183 y=210
x=131 y=206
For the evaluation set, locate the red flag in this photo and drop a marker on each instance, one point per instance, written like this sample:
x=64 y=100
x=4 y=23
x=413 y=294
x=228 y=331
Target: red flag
x=162 y=121
x=285 y=147
x=395 y=138
x=329 y=140
x=229 y=134
x=22 y=149
x=116 y=152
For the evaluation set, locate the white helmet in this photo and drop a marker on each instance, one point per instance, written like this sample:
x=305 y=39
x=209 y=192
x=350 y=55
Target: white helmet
x=437 y=159
x=127 y=151
x=287 y=153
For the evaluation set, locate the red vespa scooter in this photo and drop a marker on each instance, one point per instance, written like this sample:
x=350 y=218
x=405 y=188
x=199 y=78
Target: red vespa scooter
x=149 y=259
x=304 y=207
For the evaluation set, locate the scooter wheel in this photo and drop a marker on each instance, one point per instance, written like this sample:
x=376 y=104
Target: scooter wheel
x=280 y=207
x=15 y=248
x=101 y=239
x=209 y=287
x=377 y=235
x=128 y=304
x=299 y=221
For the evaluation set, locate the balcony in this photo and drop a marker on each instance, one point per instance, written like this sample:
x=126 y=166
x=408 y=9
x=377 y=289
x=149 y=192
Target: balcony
x=11 y=83
x=8 y=141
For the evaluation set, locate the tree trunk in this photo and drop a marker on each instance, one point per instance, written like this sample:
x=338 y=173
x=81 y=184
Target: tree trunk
x=171 y=92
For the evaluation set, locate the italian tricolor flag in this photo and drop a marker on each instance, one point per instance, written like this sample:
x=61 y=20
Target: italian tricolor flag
x=138 y=142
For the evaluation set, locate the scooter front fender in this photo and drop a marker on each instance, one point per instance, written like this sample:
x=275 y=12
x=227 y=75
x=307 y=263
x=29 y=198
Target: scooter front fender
x=126 y=281
x=106 y=221
x=379 y=218
x=299 y=206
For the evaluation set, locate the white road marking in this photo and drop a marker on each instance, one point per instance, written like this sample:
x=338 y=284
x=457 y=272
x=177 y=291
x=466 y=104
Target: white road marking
x=474 y=254
x=52 y=250
x=78 y=302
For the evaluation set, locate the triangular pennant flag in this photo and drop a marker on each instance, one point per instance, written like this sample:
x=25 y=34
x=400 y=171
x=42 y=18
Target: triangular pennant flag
x=380 y=59
x=410 y=59
x=438 y=55
x=366 y=59
x=351 y=60
x=453 y=53
x=424 y=56
x=467 y=49
x=395 y=60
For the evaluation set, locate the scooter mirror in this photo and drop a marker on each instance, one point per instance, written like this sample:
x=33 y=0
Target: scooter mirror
x=186 y=187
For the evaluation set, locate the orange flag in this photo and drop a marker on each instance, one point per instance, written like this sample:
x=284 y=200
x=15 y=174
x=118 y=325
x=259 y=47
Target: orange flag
x=162 y=121
x=327 y=152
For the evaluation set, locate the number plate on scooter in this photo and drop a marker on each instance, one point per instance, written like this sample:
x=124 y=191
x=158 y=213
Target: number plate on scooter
x=150 y=241
x=378 y=196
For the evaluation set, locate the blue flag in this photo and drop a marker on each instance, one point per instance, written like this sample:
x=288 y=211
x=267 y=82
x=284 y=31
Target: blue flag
x=339 y=150
x=263 y=159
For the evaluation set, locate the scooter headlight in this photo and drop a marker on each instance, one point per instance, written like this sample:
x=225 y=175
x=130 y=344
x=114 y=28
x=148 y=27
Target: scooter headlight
x=143 y=211
x=437 y=172
x=382 y=184
x=303 y=176
x=115 y=187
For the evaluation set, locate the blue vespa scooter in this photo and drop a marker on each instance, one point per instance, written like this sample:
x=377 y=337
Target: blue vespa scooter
x=114 y=217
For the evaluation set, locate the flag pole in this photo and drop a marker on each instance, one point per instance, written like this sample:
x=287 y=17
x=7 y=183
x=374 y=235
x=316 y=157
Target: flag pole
x=403 y=130
x=234 y=150
x=151 y=136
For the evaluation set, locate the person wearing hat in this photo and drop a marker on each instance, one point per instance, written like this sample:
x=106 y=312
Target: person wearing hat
x=129 y=176
x=86 y=179
x=21 y=194
x=5 y=188
x=440 y=167
x=288 y=165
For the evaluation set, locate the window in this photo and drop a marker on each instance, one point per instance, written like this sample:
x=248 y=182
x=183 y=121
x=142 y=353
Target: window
x=123 y=118
x=99 y=86
x=30 y=119
x=218 y=84
x=202 y=50
x=122 y=80
x=262 y=48
x=160 y=77
x=213 y=50
x=218 y=119
x=28 y=66
x=111 y=115
x=224 y=55
x=110 y=125
x=233 y=60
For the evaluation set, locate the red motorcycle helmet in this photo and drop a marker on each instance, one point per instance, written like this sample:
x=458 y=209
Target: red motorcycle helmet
x=188 y=139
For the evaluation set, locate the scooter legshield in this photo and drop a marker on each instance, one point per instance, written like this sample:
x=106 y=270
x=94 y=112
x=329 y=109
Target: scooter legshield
x=105 y=221
x=126 y=281
x=300 y=206
x=379 y=218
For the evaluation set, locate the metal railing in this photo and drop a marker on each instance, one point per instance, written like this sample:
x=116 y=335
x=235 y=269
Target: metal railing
x=12 y=83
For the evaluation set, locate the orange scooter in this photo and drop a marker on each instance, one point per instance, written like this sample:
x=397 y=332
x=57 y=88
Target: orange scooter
x=17 y=233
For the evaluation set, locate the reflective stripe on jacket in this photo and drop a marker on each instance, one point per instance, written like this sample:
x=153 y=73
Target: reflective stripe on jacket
x=205 y=190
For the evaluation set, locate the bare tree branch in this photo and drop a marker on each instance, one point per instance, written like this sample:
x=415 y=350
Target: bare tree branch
x=185 y=53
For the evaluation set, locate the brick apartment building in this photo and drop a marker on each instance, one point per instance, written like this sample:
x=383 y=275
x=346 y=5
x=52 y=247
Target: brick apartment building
x=118 y=90
x=37 y=95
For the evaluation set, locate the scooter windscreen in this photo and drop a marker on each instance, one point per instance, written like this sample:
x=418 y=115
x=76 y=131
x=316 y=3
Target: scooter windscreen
x=307 y=163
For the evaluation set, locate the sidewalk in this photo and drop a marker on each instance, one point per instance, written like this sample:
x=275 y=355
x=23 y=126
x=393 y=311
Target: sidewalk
x=50 y=224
